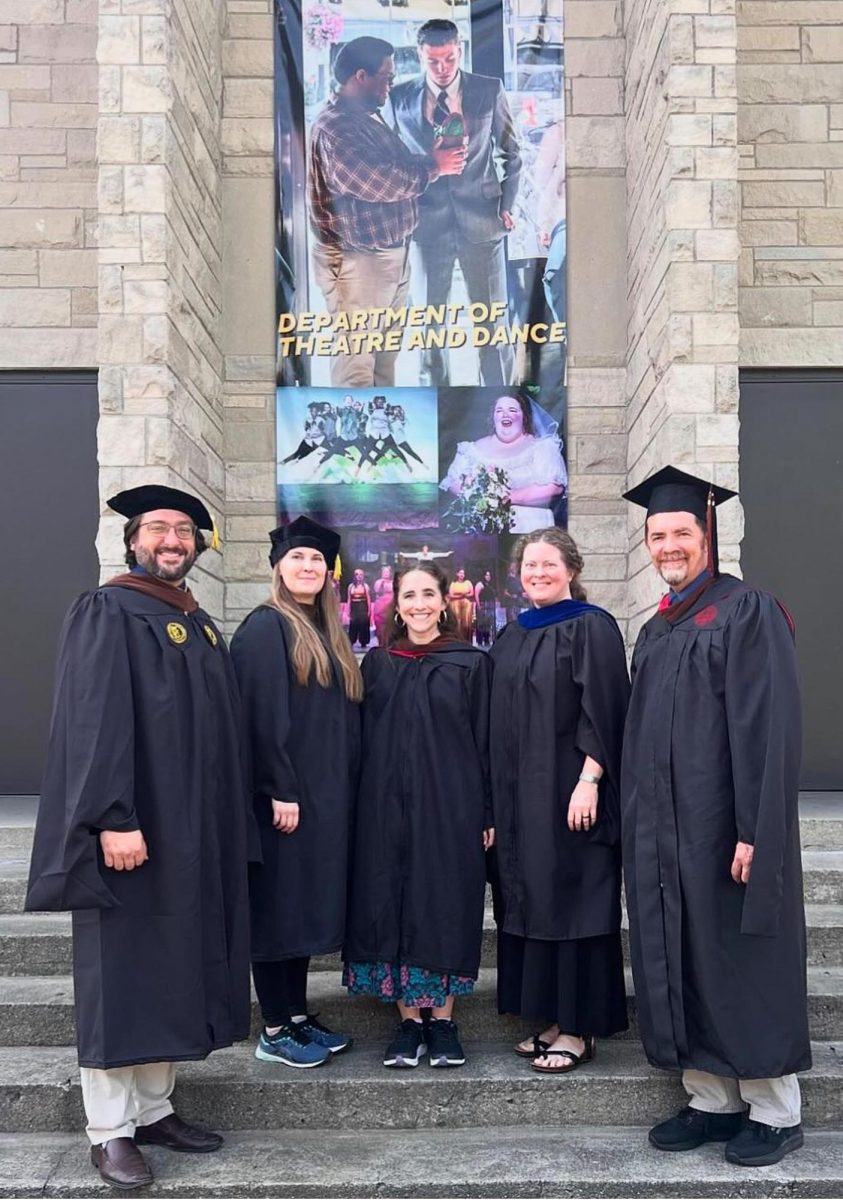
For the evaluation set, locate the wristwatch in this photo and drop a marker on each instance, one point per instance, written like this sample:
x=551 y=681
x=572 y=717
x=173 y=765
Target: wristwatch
x=586 y=778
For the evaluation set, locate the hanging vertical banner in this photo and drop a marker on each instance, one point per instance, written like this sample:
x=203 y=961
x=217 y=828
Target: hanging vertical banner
x=420 y=270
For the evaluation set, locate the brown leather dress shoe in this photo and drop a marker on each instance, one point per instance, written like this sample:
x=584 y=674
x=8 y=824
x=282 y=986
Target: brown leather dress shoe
x=121 y=1164
x=175 y=1134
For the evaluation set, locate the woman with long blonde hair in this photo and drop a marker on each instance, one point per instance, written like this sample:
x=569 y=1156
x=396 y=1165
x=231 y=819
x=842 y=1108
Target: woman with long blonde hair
x=301 y=688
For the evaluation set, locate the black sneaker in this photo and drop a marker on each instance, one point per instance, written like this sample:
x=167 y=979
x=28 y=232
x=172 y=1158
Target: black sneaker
x=691 y=1128
x=762 y=1145
x=443 y=1044
x=407 y=1047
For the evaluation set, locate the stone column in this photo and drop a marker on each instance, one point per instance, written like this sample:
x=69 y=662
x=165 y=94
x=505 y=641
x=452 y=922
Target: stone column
x=160 y=287
x=683 y=256
x=249 y=296
x=596 y=201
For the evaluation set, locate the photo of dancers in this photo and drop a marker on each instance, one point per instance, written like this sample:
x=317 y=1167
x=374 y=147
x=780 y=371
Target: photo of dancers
x=315 y=432
x=385 y=424
x=358 y=458
x=386 y=436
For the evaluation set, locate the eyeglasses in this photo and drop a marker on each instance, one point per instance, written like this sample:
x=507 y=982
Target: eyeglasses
x=184 y=530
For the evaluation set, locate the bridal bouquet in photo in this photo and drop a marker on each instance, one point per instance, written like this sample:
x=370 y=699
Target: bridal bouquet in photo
x=483 y=505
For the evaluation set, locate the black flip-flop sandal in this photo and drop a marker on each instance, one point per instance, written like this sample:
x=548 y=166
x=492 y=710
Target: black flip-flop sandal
x=574 y=1060
x=539 y=1048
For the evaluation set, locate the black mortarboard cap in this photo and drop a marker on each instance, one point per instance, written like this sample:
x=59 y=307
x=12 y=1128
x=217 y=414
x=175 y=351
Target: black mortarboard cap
x=672 y=490
x=304 y=532
x=139 y=500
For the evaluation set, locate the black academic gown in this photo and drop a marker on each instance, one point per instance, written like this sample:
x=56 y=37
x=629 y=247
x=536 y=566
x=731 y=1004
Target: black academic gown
x=559 y=693
x=711 y=758
x=145 y=736
x=303 y=746
x=419 y=874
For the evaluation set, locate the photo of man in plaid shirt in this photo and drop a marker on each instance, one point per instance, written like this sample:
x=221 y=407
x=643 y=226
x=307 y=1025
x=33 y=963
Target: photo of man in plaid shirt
x=364 y=186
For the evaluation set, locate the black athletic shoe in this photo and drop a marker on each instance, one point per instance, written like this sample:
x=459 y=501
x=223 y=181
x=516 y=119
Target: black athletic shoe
x=443 y=1044
x=761 y=1145
x=691 y=1128
x=407 y=1047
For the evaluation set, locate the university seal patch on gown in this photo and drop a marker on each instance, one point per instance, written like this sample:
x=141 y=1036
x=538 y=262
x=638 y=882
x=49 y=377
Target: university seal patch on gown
x=145 y=736
x=711 y=757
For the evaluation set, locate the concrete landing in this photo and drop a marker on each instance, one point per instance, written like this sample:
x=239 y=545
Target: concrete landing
x=491 y=1162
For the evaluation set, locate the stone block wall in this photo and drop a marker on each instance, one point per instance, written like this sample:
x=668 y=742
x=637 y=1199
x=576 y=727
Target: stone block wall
x=160 y=281
x=48 y=184
x=790 y=127
x=596 y=199
x=249 y=300
x=683 y=253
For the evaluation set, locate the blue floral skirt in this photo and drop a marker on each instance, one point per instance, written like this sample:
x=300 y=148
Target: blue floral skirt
x=416 y=987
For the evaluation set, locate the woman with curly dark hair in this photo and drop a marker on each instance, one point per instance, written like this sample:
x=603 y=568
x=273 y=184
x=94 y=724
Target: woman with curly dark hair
x=423 y=821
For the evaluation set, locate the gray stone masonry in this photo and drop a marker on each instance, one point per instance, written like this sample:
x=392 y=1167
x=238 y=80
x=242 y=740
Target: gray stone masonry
x=48 y=184
x=790 y=133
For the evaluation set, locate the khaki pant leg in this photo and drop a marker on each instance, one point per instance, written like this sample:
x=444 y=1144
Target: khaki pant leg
x=351 y=280
x=110 y=1103
x=775 y=1102
x=154 y=1083
x=712 y=1093
x=396 y=279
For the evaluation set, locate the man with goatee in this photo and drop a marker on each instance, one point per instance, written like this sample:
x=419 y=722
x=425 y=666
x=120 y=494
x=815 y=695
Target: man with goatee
x=713 y=873
x=141 y=833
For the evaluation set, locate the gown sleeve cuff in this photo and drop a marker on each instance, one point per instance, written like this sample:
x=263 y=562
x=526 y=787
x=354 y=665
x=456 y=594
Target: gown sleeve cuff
x=114 y=822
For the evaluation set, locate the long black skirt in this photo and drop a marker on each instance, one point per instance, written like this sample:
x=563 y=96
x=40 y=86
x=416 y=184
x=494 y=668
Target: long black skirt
x=577 y=985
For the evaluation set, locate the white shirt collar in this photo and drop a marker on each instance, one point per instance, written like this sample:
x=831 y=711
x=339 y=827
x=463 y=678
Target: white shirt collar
x=453 y=89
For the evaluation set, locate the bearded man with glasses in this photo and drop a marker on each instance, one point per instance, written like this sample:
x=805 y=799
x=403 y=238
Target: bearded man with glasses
x=141 y=834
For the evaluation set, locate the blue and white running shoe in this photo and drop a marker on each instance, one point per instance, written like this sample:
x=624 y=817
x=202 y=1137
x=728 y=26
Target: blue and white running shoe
x=292 y=1047
x=320 y=1035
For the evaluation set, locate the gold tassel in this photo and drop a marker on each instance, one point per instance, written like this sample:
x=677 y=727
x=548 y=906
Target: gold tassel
x=337 y=569
x=216 y=540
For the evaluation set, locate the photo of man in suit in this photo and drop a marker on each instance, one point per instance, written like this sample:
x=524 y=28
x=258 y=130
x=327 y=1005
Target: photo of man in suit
x=463 y=217
x=364 y=190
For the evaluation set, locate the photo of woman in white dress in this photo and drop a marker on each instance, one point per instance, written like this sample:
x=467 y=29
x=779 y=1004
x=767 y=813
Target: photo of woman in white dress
x=525 y=445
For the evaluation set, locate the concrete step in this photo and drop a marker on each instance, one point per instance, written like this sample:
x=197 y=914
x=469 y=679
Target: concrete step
x=39 y=1091
x=38 y=1011
x=604 y=1161
x=35 y=944
x=822 y=872
x=820 y=822
x=39 y=943
x=14 y=873
x=822 y=879
x=17 y=822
